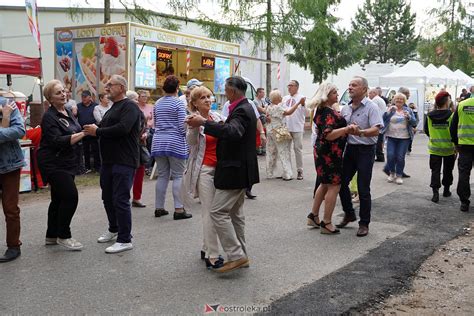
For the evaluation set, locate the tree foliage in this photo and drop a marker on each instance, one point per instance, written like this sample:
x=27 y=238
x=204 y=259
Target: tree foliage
x=306 y=25
x=133 y=11
x=242 y=18
x=386 y=29
x=320 y=46
x=454 y=47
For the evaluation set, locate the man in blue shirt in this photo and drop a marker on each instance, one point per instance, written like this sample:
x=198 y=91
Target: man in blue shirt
x=85 y=116
x=360 y=153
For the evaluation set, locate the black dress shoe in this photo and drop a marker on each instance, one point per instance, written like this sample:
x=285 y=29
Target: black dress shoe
x=464 y=207
x=182 y=215
x=346 y=220
x=250 y=195
x=446 y=192
x=10 y=254
x=138 y=204
x=404 y=175
x=161 y=212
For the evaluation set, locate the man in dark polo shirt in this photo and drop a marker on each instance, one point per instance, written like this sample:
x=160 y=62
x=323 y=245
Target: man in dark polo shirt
x=85 y=115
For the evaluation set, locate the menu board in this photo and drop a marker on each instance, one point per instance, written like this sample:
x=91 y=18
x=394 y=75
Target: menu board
x=145 y=66
x=221 y=73
x=208 y=62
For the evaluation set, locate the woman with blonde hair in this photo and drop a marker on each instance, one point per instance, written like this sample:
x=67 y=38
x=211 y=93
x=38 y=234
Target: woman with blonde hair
x=332 y=130
x=398 y=121
x=278 y=146
x=57 y=156
x=198 y=178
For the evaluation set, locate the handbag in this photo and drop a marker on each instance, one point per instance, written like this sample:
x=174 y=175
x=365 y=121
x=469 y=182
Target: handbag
x=144 y=155
x=281 y=133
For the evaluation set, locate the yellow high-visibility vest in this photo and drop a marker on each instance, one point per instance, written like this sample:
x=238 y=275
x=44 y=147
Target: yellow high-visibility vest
x=466 y=122
x=440 y=143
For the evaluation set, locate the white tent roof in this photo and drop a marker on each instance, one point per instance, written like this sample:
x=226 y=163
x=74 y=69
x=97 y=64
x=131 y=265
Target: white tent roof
x=462 y=75
x=412 y=73
x=435 y=77
x=451 y=78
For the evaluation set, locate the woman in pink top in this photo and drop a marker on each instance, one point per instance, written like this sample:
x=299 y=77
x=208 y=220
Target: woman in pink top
x=145 y=107
x=147 y=110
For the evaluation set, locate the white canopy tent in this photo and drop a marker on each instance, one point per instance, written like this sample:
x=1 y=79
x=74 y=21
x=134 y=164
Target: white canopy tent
x=451 y=78
x=410 y=75
x=462 y=75
x=435 y=76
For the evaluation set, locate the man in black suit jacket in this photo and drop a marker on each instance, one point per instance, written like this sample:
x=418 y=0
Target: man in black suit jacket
x=237 y=169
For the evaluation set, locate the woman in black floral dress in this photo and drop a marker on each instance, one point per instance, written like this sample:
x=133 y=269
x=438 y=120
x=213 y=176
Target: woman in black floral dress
x=332 y=130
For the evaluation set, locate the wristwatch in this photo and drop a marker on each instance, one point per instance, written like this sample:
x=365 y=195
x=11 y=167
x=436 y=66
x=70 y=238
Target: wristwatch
x=362 y=133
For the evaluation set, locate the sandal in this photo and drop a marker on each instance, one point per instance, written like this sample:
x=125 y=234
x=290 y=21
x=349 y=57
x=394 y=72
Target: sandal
x=313 y=220
x=217 y=264
x=325 y=230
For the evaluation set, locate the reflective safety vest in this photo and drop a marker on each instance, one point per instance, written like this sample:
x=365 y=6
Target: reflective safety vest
x=440 y=143
x=466 y=122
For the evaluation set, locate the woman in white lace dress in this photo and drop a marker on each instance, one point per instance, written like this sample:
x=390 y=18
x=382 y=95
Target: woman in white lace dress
x=278 y=148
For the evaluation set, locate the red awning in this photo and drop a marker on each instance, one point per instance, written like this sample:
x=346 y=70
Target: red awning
x=13 y=64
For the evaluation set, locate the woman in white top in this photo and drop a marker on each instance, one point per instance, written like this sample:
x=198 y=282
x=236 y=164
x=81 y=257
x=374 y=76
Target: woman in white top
x=104 y=106
x=399 y=121
x=198 y=179
x=278 y=148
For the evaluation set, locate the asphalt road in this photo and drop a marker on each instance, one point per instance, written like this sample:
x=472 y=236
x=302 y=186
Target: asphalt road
x=293 y=269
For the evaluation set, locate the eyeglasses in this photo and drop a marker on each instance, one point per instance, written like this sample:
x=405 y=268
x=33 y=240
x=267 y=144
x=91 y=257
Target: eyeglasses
x=291 y=85
x=112 y=84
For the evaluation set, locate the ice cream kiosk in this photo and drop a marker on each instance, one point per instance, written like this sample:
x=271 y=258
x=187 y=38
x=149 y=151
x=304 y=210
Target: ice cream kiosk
x=87 y=56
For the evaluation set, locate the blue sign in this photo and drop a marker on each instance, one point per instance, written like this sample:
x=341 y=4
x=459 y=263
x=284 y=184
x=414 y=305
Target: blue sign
x=221 y=73
x=145 y=66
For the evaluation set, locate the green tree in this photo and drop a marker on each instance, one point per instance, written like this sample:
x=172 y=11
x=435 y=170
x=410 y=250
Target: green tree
x=319 y=46
x=265 y=22
x=454 y=47
x=386 y=29
x=133 y=11
x=306 y=25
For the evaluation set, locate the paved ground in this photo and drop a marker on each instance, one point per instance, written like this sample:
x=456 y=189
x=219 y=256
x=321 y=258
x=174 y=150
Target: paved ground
x=293 y=269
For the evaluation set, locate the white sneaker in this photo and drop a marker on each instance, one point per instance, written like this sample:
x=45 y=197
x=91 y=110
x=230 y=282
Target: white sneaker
x=107 y=236
x=119 y=247
x=70 y=244
x=399 y=180
x=391 y=178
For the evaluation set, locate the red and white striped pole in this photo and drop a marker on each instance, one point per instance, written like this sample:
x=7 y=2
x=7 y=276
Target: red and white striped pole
x=278 y=72
x=188 y=61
